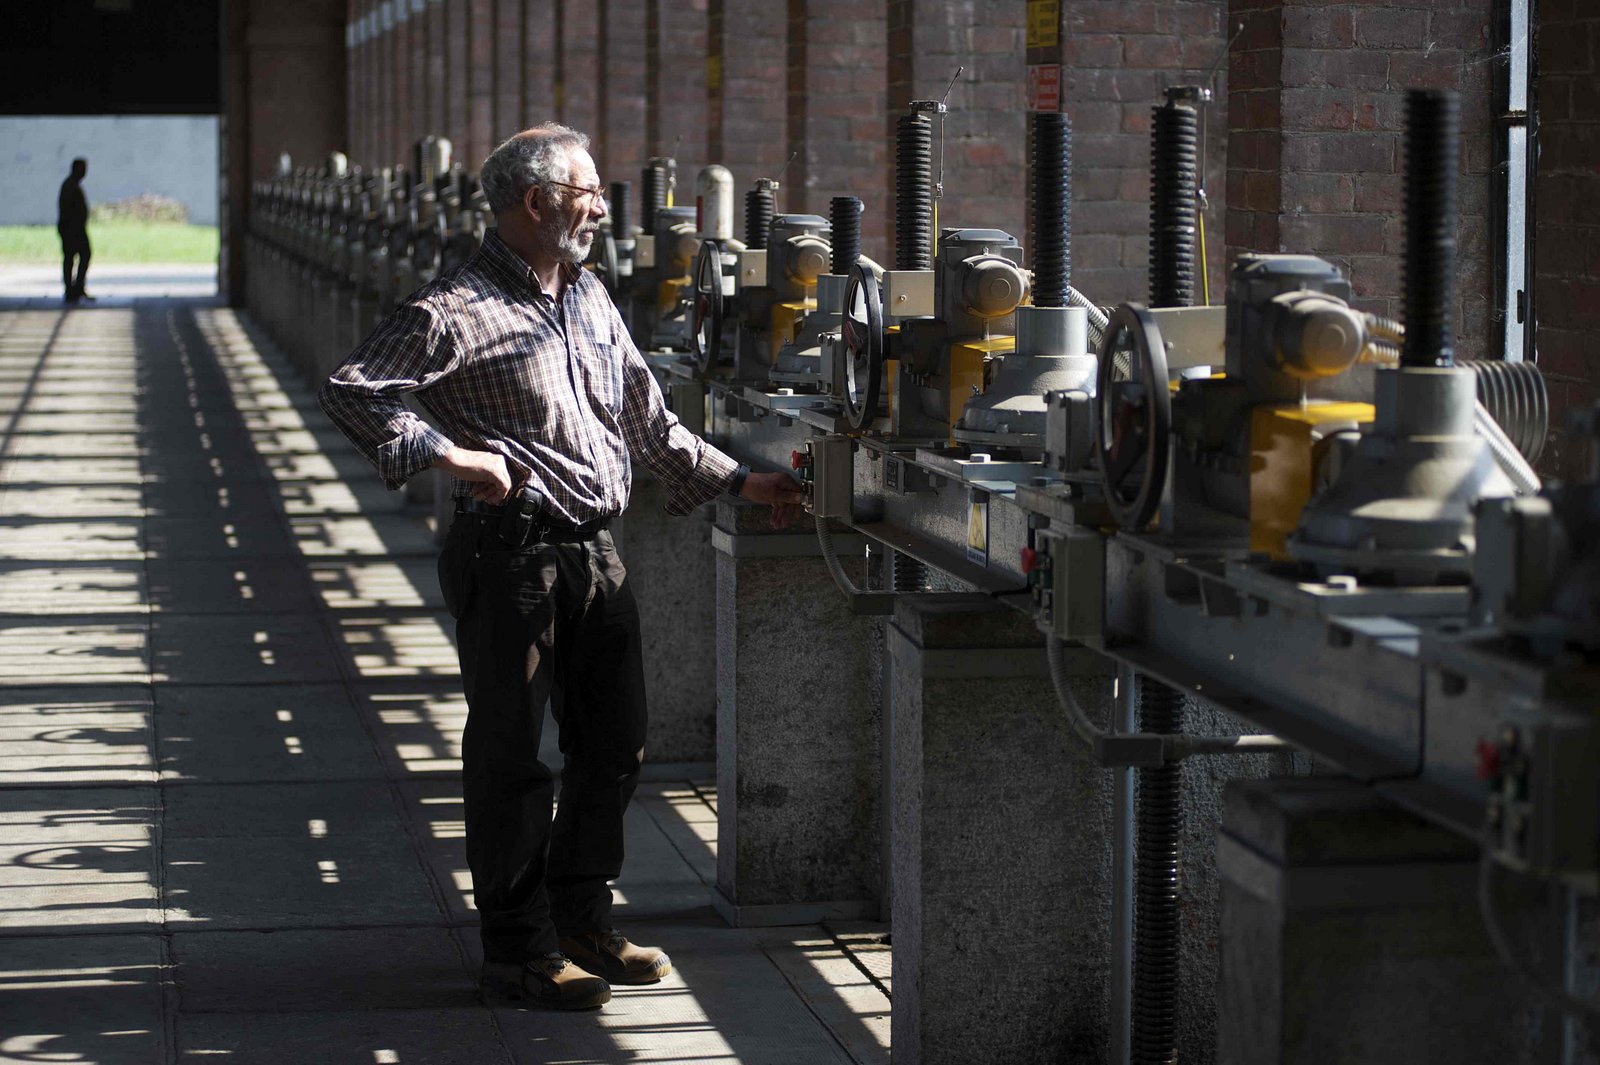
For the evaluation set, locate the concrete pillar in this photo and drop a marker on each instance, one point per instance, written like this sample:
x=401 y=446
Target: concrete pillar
x=1001 y=843
x=798 y=731
x=674 y=576
x=1351 y=932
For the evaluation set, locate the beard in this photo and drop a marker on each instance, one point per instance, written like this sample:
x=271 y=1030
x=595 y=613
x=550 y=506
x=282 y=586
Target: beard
x=569 y=246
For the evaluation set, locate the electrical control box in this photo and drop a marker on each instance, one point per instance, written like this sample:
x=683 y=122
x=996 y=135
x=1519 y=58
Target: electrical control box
x=1536 y=821
x=1066 y=570
x=825 y=465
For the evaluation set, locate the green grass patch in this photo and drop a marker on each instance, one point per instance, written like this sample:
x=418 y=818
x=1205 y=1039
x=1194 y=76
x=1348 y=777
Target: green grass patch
x=123 y=241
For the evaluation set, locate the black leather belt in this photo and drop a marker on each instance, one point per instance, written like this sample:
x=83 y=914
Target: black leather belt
x=545 y=532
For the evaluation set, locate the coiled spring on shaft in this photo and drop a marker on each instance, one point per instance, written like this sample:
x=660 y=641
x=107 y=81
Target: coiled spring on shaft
x=1433 y=144
x=1155 y=905
x=656 y=183
x=1174 y=214
x=844 y=215
x=1052 y=208
x=621 y=198
x=908 y=574
x=913 y=193
x=1515 y=395
x=759 y=208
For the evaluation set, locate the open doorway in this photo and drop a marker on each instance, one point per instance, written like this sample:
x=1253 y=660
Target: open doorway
x=151 y=192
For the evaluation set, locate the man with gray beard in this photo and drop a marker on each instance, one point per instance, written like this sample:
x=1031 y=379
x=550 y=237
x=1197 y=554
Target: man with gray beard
x=538 y=403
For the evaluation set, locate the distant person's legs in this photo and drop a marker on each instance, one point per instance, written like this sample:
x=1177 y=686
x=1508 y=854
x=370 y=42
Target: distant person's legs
x=74 y=248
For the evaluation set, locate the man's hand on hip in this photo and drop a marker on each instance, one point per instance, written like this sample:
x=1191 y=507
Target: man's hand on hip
x=780 y=490
x=485 y=470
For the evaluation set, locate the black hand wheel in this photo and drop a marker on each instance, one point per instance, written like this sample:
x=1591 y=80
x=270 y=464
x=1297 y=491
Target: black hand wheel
x=706 y=311
x=1134 y=408
x=861 y=330
x=605 y=262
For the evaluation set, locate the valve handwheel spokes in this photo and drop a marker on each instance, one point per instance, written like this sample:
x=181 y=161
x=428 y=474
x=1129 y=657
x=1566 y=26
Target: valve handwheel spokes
x=708 y=307
x=1135 y=416
x=861 y=330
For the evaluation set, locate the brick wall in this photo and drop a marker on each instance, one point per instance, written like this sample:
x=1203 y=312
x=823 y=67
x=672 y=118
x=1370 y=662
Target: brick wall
x=745 y=92
x=620 y=133
x=1118 y=58
x=677 y=87
x=1316 y=154
x=836 y=93
x=985 y=145
x=577 y=66
x=1567 y=214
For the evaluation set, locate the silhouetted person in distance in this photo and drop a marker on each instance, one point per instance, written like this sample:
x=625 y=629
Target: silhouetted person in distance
x=72 y=222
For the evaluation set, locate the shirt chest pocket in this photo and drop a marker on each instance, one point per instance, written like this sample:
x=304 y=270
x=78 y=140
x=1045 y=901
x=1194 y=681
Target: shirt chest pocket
x=602 y=369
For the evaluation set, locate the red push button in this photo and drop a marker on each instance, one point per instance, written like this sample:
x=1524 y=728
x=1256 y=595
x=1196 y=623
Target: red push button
x=1488 y=761
x=1030 y=560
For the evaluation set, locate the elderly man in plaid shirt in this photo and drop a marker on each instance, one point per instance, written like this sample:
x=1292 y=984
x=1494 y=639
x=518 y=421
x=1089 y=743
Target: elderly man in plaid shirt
x=537 y=402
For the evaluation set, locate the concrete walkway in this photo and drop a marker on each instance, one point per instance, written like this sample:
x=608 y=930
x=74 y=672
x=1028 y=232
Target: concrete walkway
x=230 y=815
x=111 y=284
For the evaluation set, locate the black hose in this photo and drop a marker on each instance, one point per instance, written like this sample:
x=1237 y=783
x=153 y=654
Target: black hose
x=622 y=210
x=760 y=206
x=1052 y=208
x=653 y=182
x=1155 y=906
x=844 y=215
x=913 y=193
x=1174 y=213
x=1433 y=145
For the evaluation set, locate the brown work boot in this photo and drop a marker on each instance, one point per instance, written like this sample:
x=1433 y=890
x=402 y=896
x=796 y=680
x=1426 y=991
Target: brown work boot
x=551 y=981
x=621 y=962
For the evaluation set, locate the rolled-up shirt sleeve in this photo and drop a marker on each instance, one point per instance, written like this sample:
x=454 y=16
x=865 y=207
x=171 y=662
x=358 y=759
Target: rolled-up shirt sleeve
x=692 y=471
x=364 y=395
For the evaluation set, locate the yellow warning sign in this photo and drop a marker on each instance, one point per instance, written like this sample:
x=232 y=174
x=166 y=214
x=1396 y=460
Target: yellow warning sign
x=1044 y=23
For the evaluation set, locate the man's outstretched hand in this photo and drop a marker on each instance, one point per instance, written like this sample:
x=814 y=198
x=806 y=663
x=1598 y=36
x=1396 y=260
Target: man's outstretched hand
x=780 y=490
x=485 y=470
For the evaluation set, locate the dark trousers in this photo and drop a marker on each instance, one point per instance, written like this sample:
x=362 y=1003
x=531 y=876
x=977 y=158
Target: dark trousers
x=556 y=622
x=74 y=246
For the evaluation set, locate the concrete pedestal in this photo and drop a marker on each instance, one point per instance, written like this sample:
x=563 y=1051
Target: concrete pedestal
x=1351 y=932
x=673 y=572
x=1001 y=843
x=798 y=730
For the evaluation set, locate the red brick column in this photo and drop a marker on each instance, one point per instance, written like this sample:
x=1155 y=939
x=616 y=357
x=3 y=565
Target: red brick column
x=837 y=88
x=434 y=87
x=457 y=99
x=1118 y=59
x=400 y=83
x=1566 y=285
x=419 y=68
x=539 y=61
x=620 y=102
x=510 y=108
x=577 y=66
x=1337 y=117
x=745 y=86
x=480 y=79
x=677 y=96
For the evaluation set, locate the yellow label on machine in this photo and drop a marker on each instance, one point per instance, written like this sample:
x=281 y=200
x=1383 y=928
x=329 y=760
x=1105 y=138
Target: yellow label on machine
x=1283 y=464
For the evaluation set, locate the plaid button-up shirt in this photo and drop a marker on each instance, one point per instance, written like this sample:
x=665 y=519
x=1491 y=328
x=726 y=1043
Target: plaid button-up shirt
x=558 y=388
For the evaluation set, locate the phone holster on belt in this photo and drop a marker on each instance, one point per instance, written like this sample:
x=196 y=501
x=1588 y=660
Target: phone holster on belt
x=520 y=518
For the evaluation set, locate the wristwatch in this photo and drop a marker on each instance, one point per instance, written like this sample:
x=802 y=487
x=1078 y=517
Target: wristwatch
x=737 y=484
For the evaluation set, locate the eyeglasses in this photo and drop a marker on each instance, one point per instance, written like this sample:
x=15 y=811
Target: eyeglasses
x=597 y=191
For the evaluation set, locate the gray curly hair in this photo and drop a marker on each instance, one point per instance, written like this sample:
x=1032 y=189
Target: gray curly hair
x=535 y=156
